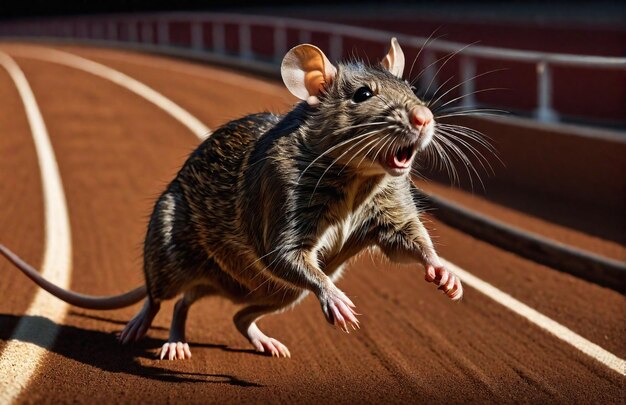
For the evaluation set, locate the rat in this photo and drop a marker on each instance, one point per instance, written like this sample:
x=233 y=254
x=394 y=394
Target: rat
x=271 y=207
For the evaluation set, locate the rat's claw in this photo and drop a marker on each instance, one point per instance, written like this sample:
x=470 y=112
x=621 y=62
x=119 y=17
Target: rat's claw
x=349 y=314
x=448 y=285
x=265 y=344
x=446 y=280
x=271 y=346
x=137 y=327
x=175 y=351
x=338 y=318
x=430 y=274
x=284 y=351
x=134 y=330
x=443 y=278
x=187 y=350
x=457 y=291
x=164 y=351
x=339 y=311
x=179 y=350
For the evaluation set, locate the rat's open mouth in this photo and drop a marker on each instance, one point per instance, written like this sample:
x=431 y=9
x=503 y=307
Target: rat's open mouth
x=398 y=161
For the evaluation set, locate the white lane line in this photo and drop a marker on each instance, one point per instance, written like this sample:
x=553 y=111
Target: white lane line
x=33 y=335
x=565 y=334
x=204 y=72
x=64 y=58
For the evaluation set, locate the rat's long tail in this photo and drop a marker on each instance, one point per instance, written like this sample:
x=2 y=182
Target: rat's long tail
x=76 y=299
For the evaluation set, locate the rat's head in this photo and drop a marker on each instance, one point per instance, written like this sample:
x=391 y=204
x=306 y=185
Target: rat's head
x=362 y=116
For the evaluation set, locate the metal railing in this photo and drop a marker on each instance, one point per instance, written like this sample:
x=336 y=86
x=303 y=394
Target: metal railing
x=154 y=30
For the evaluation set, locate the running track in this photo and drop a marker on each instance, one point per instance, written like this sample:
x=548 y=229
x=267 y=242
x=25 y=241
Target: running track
x=116 y=150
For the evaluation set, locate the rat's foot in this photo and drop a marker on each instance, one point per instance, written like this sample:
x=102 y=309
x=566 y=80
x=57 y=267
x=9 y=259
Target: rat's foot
x=176 y=348
x=446 y=280
x=266 y=344
x=137 y=327
x=175 y=351
x=339 y=310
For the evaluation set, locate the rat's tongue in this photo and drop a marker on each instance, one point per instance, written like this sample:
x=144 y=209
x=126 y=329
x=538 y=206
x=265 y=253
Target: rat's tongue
x=400 y=159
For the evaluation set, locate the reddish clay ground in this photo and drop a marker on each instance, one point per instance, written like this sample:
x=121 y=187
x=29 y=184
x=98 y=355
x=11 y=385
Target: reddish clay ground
x=116 y=152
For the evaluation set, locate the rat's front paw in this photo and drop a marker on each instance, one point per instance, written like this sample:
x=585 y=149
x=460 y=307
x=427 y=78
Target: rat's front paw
x=446 y=280
x=339 y=310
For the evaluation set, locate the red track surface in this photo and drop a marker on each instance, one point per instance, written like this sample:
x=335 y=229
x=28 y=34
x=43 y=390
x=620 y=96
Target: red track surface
x=116 y=152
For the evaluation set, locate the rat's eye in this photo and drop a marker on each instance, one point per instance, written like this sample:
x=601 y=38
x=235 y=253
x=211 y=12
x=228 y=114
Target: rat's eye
x=362 y=94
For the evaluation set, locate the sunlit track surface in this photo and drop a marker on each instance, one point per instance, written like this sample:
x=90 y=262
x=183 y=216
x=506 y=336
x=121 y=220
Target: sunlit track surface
x=116 y=152
x=21 y=357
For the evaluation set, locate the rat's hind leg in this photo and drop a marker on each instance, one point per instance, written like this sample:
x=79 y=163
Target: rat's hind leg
x=177 y=347
x=245 y=321
x=137 y=327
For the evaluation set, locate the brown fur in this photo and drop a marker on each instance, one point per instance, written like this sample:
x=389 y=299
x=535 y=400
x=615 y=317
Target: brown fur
x=269 y=208
x=249 y=220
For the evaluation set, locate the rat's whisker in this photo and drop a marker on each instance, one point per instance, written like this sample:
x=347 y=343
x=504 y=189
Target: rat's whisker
x=367 y=124
x=449 y=57
x=430 y=102
x=428 y=40
x=482 y=160
x=390 y=136
x=475 y=112
x=445 y=161
x=332 y=163
x=381 y=140
x=417 y=174
x=466 y=81
x=473 y=135
x=464 y=96
x=355 y=155
x=367 y=134
x=463 y=157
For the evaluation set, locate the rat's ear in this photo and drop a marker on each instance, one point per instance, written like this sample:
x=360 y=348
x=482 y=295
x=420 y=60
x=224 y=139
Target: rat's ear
x=305 y=71
x=394 y=61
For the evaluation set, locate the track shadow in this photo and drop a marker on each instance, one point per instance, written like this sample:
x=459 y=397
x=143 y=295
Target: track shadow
x=109 y=320
x=150 y=356
x=95 y=348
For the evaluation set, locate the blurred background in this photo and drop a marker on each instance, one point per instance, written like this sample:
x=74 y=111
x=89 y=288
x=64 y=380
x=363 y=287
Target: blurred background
x=577 y=92
x=544 y=82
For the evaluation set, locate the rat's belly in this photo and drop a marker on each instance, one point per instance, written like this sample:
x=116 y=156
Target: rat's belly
x=334 y=255
x=259 y=287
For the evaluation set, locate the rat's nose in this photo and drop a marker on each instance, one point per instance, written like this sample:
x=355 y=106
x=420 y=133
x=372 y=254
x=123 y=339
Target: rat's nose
x=421 y=116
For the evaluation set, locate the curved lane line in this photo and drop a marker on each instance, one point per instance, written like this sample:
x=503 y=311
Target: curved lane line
x=565 y=334
x=34 y=333
x=229 y=78
x=65 y=58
